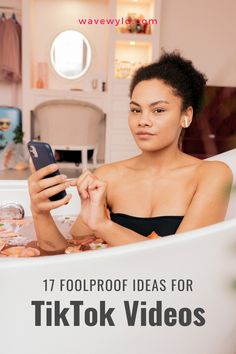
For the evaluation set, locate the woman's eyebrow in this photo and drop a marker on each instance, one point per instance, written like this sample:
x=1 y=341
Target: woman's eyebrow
x=151 y=104
x=132 y=102
x=160 y=101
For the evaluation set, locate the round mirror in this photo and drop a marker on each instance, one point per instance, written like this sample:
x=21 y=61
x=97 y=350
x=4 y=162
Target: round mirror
x=70 y=54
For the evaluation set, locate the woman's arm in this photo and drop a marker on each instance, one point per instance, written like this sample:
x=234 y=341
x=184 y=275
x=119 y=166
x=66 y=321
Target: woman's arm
x=210 y=201
x=112 y=233
x=116 y=235
x=93 y=218
x=79 y=228
x=49 y=237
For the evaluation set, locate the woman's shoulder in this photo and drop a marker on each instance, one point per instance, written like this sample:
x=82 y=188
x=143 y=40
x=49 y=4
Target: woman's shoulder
x=209 y=171
x=113 y=170
x=204 y=167
x=215 y=167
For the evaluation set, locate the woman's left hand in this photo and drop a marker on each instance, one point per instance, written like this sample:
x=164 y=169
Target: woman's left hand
x=92 y=191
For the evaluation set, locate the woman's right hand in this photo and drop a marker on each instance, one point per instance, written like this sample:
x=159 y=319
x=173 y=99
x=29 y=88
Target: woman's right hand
x=40 y=189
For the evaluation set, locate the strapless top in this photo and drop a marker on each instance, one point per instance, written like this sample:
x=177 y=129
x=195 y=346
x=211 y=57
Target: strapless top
x=162 y=225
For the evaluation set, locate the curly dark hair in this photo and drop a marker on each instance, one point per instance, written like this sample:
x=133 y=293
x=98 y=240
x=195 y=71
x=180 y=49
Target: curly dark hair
x=180 y=74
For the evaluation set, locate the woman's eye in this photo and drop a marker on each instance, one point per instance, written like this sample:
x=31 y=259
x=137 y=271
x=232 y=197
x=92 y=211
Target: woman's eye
x=134 y=110
x=158 y=110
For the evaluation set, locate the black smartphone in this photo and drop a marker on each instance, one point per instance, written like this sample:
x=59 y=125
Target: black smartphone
x=42 y=155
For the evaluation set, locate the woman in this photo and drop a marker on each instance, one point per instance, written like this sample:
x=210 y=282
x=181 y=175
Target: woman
x=163 y=189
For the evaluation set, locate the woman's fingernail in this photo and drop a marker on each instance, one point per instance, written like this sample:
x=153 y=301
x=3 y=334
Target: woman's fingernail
x=63 y=176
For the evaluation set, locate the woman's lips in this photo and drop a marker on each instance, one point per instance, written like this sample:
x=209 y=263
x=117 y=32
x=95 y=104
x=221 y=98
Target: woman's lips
x=144 y=135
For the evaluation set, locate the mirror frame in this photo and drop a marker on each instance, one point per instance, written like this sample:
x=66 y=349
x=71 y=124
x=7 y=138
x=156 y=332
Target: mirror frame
x=89 y=48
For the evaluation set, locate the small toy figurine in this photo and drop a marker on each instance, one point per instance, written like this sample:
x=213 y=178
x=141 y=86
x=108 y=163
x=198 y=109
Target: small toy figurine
x=5 y=124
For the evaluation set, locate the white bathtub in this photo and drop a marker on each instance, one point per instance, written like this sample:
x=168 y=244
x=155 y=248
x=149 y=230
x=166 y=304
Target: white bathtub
x=206 y=256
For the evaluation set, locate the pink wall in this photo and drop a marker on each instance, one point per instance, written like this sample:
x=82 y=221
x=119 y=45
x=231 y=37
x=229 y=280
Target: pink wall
x=6 y=90
x=50 y=18
x=205 y=32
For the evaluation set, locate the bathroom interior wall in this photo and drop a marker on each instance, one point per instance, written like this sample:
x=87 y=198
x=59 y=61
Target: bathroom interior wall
x=204 y=31
x=6 y=89
x=49 y=18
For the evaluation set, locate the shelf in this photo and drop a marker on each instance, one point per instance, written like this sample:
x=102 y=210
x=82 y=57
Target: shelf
x=129 y=56
x=137 y=37
x=141 y=2
x=67 y=92
x=133 y=49
x=122 y=80
x=140 y=14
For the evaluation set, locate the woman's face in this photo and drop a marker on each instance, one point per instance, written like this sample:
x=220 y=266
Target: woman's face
x=155 y=115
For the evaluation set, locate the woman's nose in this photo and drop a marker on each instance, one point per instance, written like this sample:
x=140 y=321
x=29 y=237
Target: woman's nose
x=144 y=120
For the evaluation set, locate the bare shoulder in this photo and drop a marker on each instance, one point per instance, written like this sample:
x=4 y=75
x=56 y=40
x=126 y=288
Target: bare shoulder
x=215 y=169
x=111 y=171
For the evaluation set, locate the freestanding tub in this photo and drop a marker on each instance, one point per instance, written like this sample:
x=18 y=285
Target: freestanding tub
x=198 y=269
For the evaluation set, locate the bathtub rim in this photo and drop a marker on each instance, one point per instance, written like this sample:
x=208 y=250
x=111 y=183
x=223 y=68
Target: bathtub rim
x=207 y=231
